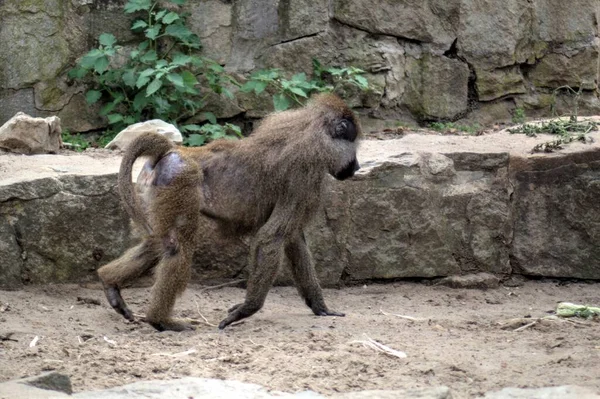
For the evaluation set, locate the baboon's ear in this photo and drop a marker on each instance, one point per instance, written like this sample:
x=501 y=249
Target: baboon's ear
x=344 y=129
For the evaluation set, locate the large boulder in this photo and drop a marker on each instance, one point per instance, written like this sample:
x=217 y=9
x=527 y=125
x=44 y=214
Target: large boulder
x=26 y=135
x=421 y=206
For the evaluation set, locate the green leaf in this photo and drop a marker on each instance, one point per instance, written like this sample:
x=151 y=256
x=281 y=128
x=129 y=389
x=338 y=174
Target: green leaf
x=152 y=33
x=150 y=56
x=299 y=78
x=195 y=140
x=140 y=101
x=153 y=87
x=78 y=73
x=176 y=79
x=144 y=45
x=190 y=128
x=108 y=108
x=139 y=24
x=88 y=60
x=227 y=93
x=137 y=5
x=114 y=118
x=362 y=81
x=178 y=2
x=234 y=128
x=160 y=15
x=189 y=79
x=107 y=39
x=181 y=59
x=210 y=117
x=144 y=77
x=260 y=87
x=170 y=18
x=281 y=102
x=248 y=86
x=298 y=91
x=92 y=96
x=101 y=65
x=129 y=78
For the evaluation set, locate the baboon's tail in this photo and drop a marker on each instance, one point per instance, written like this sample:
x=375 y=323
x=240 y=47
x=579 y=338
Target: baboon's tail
x=149 y=144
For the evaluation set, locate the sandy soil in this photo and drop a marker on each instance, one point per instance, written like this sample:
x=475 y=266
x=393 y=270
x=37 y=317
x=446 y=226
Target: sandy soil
x=461 y=342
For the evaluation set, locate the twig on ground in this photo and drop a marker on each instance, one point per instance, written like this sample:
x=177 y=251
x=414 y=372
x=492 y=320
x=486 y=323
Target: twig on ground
x=34 y=341
x=110 y=341
x=215 y=287
x=201 y=315
x=411 y=318
x=526 y=326
x=381 y=348
x=180 y=354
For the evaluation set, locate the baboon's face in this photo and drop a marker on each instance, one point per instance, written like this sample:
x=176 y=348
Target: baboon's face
x=344 y=134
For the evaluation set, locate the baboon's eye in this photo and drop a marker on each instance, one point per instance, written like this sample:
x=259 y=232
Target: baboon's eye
x=345 y=130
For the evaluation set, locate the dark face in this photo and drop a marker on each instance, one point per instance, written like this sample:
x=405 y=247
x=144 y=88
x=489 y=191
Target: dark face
x=348 y=171
x=345 y=129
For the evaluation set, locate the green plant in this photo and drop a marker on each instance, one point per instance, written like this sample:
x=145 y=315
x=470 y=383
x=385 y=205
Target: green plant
x=568 y=129
x=159 y=79
x=295 y=91
x=75 y=142
x=519 y=115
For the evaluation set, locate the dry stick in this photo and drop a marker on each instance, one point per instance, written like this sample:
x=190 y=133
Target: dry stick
x=214 y=287
x=201 y=315
x=411 y=318
x=379 y=347
x=526 y=326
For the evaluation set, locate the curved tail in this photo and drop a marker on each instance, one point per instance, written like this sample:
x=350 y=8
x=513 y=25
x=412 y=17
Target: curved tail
x=148 y=144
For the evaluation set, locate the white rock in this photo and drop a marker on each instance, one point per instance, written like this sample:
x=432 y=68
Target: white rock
x=126 y=136
x=24 y=134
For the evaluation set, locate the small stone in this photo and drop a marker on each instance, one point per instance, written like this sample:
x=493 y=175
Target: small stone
x=478 y=280
x=51 y=381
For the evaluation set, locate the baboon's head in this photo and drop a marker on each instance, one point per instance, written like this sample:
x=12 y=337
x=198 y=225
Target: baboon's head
x=342 y=135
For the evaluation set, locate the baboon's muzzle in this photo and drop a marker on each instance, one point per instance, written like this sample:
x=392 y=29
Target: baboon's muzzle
x=348 y=171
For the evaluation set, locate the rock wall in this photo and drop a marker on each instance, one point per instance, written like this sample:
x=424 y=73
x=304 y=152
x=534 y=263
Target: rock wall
x=421 y=206
x=475 y=60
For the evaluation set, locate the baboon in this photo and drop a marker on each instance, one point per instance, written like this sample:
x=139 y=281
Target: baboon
x=267 y=185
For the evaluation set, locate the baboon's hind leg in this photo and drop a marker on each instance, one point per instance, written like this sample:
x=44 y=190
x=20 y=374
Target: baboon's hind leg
x=178 y=210
x=305 y=277
x=134 y=263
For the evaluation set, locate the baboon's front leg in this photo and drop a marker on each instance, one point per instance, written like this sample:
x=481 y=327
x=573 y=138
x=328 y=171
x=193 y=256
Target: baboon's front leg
x=136 y=262
x=265 y=255
x=305 y=276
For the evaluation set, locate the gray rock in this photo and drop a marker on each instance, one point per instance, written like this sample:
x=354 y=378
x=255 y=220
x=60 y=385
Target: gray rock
x=437 y=87
x=130 y=133
x=51 y=381
x=563 y=392
x=191 y=387
x=24 y=134
x=576 y=70
x=417 y=393
x=425 y=21
x=556 y=215
x=499 y=83
x=14 y=101
x=478 y=280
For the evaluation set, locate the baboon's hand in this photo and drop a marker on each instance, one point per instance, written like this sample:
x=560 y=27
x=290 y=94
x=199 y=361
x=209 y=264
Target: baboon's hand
x=238 y=312
x=113 y=294
x=327 y=312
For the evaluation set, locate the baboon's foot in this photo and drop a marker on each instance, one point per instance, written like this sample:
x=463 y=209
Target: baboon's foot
x=172 y=325
x=238 y=312
x=320 y=309
x=234 y=307
x=327 y=312
x=113 y=294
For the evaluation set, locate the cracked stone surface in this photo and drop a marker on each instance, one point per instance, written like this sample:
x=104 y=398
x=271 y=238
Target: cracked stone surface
x=421 y=206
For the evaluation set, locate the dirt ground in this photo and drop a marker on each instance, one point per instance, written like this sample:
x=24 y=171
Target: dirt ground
x=459 y=342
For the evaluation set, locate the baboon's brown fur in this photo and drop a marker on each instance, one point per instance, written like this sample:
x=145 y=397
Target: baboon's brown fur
x=268 y=185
